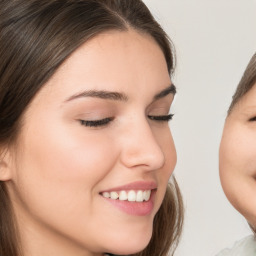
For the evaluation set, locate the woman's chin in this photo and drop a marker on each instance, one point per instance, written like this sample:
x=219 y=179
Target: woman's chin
x=131 y=245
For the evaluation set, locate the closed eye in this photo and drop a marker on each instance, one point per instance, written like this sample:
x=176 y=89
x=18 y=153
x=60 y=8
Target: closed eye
x=252 y=119
x=106 y=121
x=164 y=118
x=96 y=123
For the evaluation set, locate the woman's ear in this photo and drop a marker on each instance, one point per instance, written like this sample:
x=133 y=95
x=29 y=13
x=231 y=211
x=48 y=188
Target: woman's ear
x=5 y=165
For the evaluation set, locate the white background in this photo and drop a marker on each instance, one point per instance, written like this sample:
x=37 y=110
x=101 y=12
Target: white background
x=214 y=40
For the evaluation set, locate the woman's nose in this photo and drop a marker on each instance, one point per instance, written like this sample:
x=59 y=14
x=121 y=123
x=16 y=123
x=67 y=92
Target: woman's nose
x=140 y=148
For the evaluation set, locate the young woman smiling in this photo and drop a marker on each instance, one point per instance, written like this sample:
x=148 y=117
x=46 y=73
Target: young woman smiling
x=86 y=150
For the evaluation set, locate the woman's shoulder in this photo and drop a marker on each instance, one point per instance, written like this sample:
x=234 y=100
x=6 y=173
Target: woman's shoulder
x=245 y=247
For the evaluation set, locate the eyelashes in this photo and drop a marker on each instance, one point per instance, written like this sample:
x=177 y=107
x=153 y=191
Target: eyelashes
x=96 y=123
x=252 y=119
x=165 y=118
x=106 y=121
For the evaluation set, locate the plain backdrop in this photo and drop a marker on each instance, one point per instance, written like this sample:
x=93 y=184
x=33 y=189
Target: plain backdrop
x=214 y=40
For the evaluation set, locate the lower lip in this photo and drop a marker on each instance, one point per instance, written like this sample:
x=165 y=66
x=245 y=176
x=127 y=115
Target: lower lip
x=135 y=208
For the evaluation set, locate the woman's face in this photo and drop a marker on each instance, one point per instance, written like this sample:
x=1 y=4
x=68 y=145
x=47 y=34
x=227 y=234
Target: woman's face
x=95 y=134
x=238 y=156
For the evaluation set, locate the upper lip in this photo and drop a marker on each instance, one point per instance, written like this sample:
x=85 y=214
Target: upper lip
x=137 y=185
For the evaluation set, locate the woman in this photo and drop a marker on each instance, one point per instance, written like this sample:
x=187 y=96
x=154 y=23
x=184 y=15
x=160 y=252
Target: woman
x=86 y=151
x=238 y=156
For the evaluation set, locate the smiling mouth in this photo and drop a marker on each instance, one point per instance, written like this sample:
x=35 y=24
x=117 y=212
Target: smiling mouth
x=130 y=196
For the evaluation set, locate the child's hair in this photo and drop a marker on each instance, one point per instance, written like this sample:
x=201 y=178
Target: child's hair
x=246 y=83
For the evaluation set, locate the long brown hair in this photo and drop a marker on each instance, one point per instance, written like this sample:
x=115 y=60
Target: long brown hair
x=36 y=37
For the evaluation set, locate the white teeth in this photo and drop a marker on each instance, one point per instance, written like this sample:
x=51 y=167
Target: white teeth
x=106 y=194
x=113 y=195
x=146 y=195
x=139 y=197
x=123 y=196
x=131 y=196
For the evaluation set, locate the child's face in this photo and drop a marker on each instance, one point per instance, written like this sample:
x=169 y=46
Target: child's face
x=90 y=132
x=238 y=156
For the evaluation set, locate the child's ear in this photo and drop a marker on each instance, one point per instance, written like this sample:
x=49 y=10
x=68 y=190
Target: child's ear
x=5 y=165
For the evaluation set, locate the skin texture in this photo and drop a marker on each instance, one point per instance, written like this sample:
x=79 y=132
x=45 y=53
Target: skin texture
x=58 y=167
x=238 y=156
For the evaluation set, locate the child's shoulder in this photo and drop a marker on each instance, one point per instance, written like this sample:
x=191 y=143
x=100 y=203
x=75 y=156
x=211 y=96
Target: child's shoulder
x=245 y=247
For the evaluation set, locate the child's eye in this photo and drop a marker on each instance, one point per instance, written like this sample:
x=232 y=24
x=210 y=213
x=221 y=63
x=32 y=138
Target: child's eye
x=164 y=118
x=96 y=123
x=252 y=119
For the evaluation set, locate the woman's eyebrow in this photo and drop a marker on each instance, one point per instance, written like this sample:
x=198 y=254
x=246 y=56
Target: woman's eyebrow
x=169 y=90
x=102 y=94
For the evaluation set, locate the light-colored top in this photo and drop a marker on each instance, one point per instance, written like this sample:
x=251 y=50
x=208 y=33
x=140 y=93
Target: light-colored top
x=244 y=247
